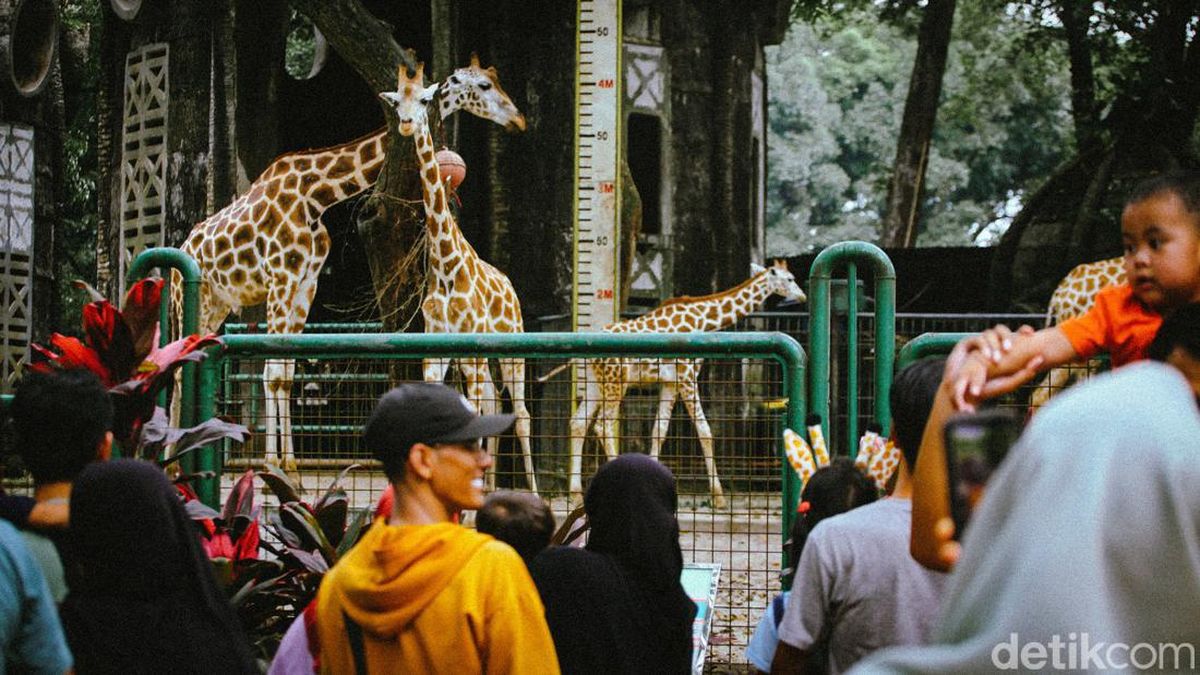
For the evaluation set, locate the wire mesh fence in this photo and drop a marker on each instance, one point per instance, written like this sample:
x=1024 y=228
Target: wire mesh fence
x=732 y=407
x=739 y=401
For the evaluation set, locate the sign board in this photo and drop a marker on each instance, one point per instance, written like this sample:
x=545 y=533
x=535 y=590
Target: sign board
x=700 y=583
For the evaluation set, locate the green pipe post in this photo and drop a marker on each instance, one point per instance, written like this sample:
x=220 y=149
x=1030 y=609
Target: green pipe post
x=852 y=361
x=819 y=329
x=209 y=458
x=189 y=271
x=928 y=344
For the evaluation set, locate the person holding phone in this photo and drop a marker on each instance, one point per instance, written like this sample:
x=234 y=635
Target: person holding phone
x=934 y=529
x=934 y=535
x=856 y=590
x=1082 y=555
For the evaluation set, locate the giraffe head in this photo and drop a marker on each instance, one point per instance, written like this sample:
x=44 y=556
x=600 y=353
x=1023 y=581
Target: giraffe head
x=779 y=280
x=410 y=100
x=477 y=90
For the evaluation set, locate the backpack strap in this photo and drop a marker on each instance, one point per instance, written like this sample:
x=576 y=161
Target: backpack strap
x=778 y=607
x=354 y=633
x=309 y=617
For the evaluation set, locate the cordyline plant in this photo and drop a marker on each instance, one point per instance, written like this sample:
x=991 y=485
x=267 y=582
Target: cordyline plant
x=121 y=348
x=269 y=591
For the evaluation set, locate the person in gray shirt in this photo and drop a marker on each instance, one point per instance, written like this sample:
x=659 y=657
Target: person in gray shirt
x=857 y=589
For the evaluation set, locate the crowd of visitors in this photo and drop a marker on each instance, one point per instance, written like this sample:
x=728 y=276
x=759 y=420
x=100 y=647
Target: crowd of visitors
x=1086 y=533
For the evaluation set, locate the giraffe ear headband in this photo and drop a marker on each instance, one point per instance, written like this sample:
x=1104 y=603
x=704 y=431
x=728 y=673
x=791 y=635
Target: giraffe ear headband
x=805 y=460
x=877 y=456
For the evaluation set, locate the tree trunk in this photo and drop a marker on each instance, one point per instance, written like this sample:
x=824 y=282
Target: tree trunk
x=1069 y=220
x=907 y=185
x=260 y=37
x=1075 y=16
x=391 y=220
x=727 y=226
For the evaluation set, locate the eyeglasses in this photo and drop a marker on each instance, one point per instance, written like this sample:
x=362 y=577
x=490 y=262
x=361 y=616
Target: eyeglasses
x=474 y=447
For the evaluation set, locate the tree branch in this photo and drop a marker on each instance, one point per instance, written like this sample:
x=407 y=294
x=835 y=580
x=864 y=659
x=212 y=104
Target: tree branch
x=360 y=38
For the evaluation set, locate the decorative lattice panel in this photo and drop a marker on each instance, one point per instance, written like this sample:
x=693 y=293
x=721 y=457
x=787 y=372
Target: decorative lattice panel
x=143 y=153
x=644 y=81
x=16 y=249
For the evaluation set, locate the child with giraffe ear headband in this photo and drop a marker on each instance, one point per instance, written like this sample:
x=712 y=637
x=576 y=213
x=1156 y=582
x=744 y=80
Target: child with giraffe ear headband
x=831 y=487
x=877 y=456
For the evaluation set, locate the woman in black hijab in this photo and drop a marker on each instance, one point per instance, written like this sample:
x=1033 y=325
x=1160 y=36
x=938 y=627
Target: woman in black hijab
x=618 y=606
x=142 y=595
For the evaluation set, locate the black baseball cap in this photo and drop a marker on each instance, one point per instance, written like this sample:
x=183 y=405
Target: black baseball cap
x=426 y=412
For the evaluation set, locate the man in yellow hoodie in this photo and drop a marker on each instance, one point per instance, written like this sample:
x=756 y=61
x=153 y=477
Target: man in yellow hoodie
x=419 y=593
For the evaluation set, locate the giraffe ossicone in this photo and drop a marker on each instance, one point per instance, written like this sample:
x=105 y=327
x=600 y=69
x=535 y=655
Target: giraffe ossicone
x=608 y=378
x=269 y=245
x=464 y=293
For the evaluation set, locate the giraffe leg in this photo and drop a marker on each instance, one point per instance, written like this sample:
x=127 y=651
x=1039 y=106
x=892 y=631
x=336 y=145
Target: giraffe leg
x=691 y=400
x=513 y=372
x=482 y=392
x=606 y=419
x=278 y=375
x=288 y=303
x=662 y=420
x=434 y=370
x=580 y=420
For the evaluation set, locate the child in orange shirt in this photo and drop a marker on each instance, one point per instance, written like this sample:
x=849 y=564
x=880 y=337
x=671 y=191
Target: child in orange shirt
x=1160 y=228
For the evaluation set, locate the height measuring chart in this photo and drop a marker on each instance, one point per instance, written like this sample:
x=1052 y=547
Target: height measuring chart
x=597 y=143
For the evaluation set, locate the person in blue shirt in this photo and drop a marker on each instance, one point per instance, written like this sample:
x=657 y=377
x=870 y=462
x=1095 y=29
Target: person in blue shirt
x=31 y=637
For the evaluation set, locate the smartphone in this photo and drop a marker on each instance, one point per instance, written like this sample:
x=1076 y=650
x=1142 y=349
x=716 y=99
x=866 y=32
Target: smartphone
x=976 y=443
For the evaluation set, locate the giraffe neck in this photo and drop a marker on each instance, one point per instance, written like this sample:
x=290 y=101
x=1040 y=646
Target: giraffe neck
x=327 y=176
x=445 y=239
x=737 y=303
x=324 y=177
x=711 y=312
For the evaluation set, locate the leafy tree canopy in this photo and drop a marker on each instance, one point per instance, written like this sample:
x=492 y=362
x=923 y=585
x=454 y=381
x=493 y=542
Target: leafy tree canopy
x=837 y=88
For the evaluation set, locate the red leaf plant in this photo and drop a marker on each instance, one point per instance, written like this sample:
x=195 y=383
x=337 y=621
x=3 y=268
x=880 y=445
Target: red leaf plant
x=232 y=534
x=120 y=347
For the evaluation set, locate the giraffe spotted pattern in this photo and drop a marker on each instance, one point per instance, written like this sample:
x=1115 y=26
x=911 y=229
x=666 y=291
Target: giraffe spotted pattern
x=608 y=378
x=269 y=245
x=1073 y=297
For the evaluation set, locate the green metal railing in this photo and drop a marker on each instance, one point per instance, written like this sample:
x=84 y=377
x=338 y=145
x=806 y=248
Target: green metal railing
x=777 y=346
x=850 y=254
x=928 y=344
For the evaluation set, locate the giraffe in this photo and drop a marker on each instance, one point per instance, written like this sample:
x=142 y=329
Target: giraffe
x=608 y=378
x=464 y=294
x=268 y=245
x=1073 y=297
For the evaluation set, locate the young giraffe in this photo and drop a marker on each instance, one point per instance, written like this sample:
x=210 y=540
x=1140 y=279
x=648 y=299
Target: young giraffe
x=269 y=244
x=1073 y=297
x=464 y=294
x=608 y=378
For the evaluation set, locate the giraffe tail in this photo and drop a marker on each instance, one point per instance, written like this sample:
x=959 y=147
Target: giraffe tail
x=556 y=371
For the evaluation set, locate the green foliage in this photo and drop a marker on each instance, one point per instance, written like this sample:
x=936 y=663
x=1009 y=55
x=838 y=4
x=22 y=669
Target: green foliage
x=268 y=592
x=75 y=232
x=301 y=46
x=837 y=90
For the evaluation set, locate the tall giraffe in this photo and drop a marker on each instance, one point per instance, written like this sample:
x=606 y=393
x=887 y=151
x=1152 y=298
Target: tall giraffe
x=465 y=294
x=269 y=244
x=608 y=378
x=1073 y=297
